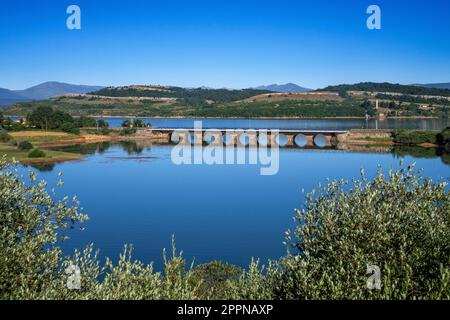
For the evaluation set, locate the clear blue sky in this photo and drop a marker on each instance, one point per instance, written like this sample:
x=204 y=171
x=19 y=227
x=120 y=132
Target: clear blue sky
x=223 y=43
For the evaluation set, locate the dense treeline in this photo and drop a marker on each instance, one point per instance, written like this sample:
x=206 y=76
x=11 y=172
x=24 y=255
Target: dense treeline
x=414 y=137
x=195 y=96
x=285 y=108
x=398 y=223
x=44 y=117
x=388 y=87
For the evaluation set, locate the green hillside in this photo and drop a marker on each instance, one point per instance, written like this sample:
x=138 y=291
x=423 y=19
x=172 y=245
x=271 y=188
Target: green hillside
x=194 y=96
x=388 y=87
x=157 y=101
x=240 y=109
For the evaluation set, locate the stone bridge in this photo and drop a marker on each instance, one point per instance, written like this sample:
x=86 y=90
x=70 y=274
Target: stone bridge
x=249 y=137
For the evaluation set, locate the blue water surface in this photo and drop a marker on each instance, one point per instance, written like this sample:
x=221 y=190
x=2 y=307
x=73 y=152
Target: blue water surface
x=220 y=212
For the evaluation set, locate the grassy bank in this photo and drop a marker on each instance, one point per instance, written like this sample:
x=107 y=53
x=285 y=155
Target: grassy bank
x=37 y=140
x=425 y=138
x=51 y=156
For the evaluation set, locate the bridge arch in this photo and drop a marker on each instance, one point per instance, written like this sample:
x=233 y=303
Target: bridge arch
x=213 y=136
x=300 y=140
x=320 y=140
x=281 y=140
x=177 y=136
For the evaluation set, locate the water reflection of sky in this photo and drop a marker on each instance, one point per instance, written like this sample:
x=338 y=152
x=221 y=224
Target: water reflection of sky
x=222 y=212
x=311 y=124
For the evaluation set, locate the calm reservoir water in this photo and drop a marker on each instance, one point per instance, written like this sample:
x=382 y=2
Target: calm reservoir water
x=134 y=193
x=322 y=124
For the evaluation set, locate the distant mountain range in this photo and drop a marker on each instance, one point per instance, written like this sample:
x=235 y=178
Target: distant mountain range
x=435 y=85
x=42 y=91
x=8 y=97
x=288 y=87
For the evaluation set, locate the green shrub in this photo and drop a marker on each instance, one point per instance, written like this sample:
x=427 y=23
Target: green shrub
x=105 y=131
x=85 y=122
x=10 y=125
x=415 y=137
x=102 y=123
x=216 y=279
x=25 y=145
x=31 y=223
x=4 y=136
x=69 y=128
x=444 y=136
x=128 y=131
x=136 y=123
x=127 y=123
x=36 y=153
x=399 y=222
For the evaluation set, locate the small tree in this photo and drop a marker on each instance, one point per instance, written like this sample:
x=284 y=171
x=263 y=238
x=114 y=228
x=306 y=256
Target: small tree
x=127 y=124
x=36 y=153
x=4 y=136
x=69 y=127
x=25 y=145
x=343 y=94
x=102 y=123
x=40 y=118
x=138 y=123
x=86 y=122
x=31 y=224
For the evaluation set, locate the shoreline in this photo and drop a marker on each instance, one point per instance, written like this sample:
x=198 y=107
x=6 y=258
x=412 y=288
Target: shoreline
x=360 y=141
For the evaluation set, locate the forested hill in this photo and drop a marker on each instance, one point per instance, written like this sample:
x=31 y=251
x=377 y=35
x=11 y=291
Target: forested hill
x=190 y=96
x=388 y=87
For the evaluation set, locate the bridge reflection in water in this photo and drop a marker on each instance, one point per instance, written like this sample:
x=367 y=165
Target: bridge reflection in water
x=251 y=137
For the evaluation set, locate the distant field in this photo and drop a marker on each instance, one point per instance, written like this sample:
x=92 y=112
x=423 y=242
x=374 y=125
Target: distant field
x=42 y=137
x=47 y=134
x=12 y=152
x=271 y=97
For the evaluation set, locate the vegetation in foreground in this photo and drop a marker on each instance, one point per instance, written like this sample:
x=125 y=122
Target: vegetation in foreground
x=398 y=221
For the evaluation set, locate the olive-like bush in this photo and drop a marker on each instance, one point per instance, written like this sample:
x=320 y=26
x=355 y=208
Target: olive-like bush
x=4 y=136
x=128 y=131
x=69 y=127
x=36 y=153
x=415 y=137
x=25 y=145
x=399 y=223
